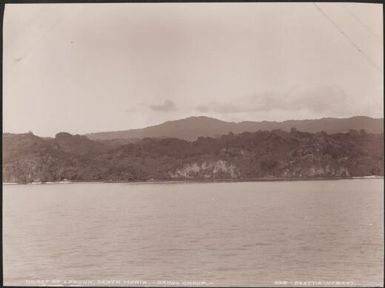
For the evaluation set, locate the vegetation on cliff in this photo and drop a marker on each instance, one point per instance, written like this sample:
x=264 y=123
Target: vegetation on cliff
x=262 y=154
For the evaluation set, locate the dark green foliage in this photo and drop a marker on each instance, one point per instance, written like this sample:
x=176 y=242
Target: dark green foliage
x=276 y=153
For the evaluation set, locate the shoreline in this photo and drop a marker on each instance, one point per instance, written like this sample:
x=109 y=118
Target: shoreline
x=187 y=181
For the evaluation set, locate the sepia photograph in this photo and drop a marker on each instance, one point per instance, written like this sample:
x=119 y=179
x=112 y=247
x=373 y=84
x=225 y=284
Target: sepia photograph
x=201 y=144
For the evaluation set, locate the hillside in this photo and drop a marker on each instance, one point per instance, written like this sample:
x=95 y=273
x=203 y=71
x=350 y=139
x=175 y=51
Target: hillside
x=191 y=128
x=262 y=154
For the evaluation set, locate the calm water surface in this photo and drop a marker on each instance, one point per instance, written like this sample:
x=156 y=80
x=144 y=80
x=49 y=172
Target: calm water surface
x=251 y=233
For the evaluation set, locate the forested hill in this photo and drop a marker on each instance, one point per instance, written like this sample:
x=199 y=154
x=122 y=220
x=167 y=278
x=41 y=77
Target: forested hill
x=193 y=127
x=261 y=154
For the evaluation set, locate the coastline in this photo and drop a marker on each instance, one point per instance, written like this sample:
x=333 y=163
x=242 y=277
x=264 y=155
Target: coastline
x=187 y=181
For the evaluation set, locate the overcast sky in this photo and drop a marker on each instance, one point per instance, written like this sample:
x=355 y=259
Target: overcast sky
x=101 y=67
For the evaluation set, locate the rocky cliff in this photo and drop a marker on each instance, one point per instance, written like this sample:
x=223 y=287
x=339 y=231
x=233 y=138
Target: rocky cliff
x=262 y=154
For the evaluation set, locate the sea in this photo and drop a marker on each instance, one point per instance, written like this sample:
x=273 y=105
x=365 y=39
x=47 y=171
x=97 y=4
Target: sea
x=285 y=233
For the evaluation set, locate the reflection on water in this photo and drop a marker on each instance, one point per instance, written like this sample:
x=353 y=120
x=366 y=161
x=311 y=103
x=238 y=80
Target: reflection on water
x=252 y=233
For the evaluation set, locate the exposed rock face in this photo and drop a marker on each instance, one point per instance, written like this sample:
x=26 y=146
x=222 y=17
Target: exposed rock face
x=207 y=170
x=263 y=154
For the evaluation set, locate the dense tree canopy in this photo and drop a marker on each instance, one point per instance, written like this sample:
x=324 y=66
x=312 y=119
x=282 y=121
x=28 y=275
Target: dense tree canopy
x=261 y=154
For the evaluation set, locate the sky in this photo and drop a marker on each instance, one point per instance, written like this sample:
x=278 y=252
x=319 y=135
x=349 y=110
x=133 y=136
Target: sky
x=84 y=68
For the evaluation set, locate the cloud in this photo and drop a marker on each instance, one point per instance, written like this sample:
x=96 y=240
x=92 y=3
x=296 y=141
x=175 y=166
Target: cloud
x=319 y=99
x=167 y=106
x=202 y=108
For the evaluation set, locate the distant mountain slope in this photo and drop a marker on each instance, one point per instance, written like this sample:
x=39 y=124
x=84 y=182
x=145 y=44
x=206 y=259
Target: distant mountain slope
x=193 y=127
